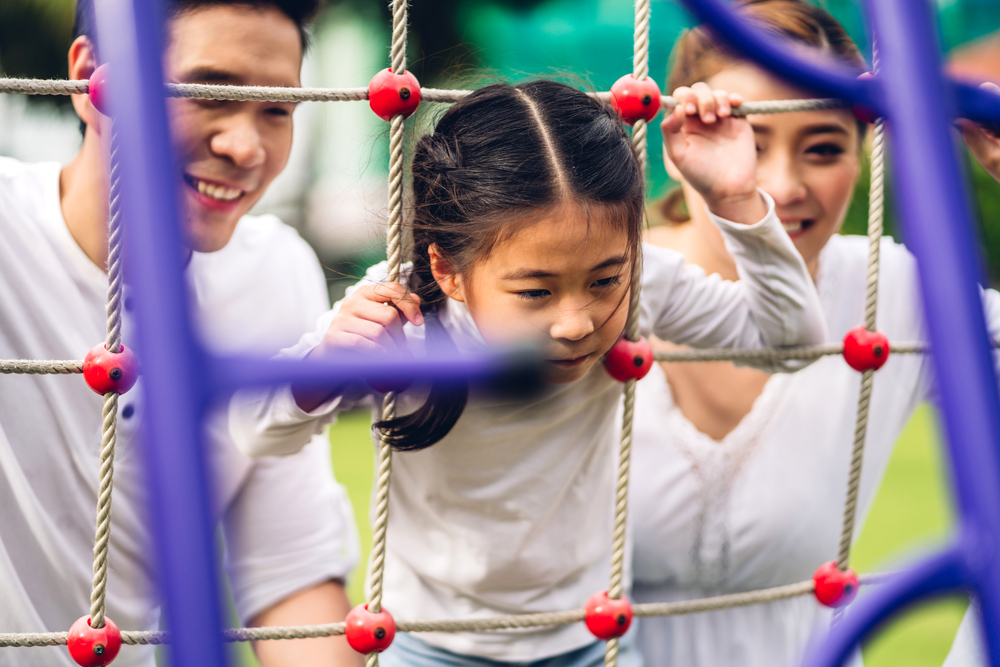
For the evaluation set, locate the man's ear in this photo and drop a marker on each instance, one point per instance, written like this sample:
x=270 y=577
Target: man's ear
x=672 y=169
x=445 y=276
x=82 y=63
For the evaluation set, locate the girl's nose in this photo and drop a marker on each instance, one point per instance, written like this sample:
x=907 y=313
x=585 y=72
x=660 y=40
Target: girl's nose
x=572 y=324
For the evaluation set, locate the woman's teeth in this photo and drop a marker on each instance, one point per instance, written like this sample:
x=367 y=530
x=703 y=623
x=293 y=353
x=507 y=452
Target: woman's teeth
x=217 y=192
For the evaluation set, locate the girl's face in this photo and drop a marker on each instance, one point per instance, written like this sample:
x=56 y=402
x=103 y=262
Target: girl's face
x=808 y=161
x=561 y=278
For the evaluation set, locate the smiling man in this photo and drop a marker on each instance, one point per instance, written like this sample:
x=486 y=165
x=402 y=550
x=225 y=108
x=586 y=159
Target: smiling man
x=256 y=287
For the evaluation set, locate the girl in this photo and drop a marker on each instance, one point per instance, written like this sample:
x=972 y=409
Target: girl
x=740 y=478
x=528 y=211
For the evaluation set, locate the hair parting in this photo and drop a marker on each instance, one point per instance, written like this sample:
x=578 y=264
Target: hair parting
x=497 y=160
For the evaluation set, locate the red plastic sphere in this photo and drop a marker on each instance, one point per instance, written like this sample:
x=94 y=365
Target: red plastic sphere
x=835 y=587
x=864 y=350
x=607 y=618
x=864 y=113
x=634 y=99
x=367 y=632
x=105 y=371
x=98 y=89
x=92 y=647
x=629 y=360
x=393 y=94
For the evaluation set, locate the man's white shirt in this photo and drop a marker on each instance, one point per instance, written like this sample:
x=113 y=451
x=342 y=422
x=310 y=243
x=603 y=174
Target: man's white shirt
x=287 y=524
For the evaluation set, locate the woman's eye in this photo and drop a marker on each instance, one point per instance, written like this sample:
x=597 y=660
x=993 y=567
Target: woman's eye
x=532 y=294
x=608 y=282
x=825 y=150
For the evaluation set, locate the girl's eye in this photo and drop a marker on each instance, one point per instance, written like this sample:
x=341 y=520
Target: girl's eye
x=604 y=283
x=531 y=295
x=825 y=150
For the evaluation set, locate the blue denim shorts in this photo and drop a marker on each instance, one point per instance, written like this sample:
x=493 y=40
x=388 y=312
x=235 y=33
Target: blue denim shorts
x=408 y=650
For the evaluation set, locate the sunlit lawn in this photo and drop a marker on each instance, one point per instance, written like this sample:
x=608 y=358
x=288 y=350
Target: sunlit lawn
x=911 y=512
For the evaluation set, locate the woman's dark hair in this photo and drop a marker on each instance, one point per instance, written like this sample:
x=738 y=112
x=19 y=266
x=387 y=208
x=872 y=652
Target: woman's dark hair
x=495 y=161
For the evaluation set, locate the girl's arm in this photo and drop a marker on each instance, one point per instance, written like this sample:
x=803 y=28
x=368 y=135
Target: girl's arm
x=775 y=302
x=369 y=320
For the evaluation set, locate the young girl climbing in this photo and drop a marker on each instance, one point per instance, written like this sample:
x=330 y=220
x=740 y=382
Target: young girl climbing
x=527 y=218
x=739 y=478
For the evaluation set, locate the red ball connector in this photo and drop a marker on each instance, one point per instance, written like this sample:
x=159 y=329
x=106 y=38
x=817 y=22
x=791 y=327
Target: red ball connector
x=106 y=371
x=634 y=99
x=835 y=587
x=391 y=94
x=93 y=647
x=865 y=350
x=97 y=88
x=607 y=618
x=629 y=360
x=367 y=632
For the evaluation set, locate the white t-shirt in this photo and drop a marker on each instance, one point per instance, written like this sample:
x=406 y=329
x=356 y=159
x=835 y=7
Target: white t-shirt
x=287 y=524
x=512 y=511
x=763 y=507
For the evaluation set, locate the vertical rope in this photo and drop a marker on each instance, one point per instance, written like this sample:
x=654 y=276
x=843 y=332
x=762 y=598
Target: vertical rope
x=875 y=217
x=109 y=437
x=376 y=565
x=640 y=67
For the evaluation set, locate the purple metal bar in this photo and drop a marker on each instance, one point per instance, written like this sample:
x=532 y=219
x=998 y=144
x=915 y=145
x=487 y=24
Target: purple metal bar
x=918 y=102
x=174 y=390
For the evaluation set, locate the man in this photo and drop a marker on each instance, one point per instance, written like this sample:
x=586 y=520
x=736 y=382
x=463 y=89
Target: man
x=255 y=286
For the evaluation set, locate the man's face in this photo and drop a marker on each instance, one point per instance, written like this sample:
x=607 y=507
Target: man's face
x=229 y=152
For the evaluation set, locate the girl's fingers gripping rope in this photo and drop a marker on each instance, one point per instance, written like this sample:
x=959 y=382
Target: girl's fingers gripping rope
x=371 y=320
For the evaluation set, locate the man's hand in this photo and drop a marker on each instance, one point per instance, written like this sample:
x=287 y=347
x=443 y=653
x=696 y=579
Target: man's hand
x=323 y=603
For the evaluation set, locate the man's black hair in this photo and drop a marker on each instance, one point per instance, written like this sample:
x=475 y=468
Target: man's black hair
x=301 y=12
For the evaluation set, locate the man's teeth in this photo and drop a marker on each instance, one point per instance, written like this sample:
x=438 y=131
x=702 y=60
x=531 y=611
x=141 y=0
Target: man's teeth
x=792 y=227
x=219 y=192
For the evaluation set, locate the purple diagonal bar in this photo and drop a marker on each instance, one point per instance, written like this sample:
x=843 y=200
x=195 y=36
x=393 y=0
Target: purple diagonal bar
x=918 y=102
x=174 y=391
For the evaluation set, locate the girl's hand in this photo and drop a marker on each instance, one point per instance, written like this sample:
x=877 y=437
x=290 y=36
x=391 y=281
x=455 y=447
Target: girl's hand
x=984 y=142
x=714 y=151
x=371 y=320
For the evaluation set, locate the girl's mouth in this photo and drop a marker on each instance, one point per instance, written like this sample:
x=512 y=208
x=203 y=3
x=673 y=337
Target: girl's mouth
x=569 y=363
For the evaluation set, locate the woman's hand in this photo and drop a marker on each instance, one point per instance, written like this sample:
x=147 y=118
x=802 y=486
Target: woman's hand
x=370 y=321
x=984 y=142
x=714 y=151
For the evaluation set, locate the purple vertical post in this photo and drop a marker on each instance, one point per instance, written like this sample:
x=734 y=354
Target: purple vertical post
x=174 y=383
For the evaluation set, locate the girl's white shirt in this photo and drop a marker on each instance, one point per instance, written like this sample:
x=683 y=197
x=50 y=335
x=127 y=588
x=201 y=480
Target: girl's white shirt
x=763 y=507
x=512 y=511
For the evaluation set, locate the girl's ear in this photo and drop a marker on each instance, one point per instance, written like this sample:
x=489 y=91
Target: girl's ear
x=444 y=274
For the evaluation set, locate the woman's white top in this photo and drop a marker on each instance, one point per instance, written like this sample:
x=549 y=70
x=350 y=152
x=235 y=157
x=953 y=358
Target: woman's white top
x=512 y=511
x=763 y=507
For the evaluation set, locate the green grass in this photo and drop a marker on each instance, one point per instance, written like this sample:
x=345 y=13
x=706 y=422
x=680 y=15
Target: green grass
x=912 y=511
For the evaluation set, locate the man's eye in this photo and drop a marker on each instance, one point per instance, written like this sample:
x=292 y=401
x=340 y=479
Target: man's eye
x=530 y=295
x=608 y=282
x=278 y=111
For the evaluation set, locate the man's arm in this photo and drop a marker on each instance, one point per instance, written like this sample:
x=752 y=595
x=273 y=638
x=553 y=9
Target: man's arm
x=323 y=603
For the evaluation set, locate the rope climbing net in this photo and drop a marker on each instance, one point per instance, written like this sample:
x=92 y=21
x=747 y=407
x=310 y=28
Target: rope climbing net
x=110 y=369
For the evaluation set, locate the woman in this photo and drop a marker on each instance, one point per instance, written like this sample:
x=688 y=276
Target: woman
x=740 y=477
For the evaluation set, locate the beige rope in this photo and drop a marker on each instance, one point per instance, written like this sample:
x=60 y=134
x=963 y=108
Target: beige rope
x=102 y=537
x=875 y=214
x=32 y=367
x=723 y=601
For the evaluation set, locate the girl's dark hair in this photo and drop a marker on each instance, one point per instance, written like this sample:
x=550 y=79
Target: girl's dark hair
x=497 y=160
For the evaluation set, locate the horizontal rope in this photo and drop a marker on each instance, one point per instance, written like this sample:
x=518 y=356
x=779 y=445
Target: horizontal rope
x=31 y=367
x=803 y=352
x=514 y=622
x=269 y=94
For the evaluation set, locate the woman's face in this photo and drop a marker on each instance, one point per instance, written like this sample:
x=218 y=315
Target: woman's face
x=808 y=161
